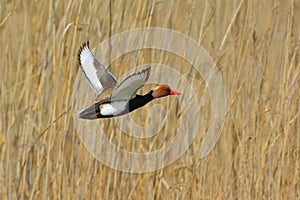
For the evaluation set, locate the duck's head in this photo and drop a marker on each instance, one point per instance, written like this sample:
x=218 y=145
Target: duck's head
x=162 y=91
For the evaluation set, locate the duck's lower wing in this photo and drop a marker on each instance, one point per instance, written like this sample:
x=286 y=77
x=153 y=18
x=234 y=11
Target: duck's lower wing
x=127 y=89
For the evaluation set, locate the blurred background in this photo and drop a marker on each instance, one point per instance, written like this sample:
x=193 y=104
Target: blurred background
x=255 y=45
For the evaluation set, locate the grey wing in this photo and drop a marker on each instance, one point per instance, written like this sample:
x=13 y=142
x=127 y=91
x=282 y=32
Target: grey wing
x=105 y=77
x=98 y=77
x=126 y=90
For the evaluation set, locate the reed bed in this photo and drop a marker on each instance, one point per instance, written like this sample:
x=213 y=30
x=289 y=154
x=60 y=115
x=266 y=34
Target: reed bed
x=255 y=45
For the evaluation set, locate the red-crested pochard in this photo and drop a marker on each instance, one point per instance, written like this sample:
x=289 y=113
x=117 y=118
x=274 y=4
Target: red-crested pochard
x=113 y=98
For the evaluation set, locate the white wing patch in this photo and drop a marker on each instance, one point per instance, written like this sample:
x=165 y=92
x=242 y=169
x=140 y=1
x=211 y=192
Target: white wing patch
x=126 y=90
x=86 y=61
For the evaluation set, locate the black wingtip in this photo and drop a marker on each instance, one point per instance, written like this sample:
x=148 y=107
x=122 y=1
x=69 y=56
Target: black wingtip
x=149 y=71
x=84 y=44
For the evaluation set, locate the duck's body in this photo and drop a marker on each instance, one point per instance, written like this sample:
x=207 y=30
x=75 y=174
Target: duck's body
x=115 y=99
x=107 y=109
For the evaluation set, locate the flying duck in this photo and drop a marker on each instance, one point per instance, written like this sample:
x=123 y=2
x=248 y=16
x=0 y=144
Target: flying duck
x=113 y=98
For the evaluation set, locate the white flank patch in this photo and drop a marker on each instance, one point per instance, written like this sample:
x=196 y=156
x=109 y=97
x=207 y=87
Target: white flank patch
x=113 y=108
x=108 y=109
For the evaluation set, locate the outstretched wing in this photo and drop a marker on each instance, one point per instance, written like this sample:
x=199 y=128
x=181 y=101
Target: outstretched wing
x=126 y=90
x=98 y=77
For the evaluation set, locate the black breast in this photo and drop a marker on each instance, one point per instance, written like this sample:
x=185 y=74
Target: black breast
x=139 y=101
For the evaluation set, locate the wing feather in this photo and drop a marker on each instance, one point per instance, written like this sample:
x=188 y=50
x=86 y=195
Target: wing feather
x=98 y=77
x=126 y=90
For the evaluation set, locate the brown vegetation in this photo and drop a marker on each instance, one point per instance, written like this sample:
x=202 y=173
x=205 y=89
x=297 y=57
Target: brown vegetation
x=256 y=47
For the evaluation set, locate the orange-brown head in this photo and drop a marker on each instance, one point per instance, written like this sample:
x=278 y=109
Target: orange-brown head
x=163 y=90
